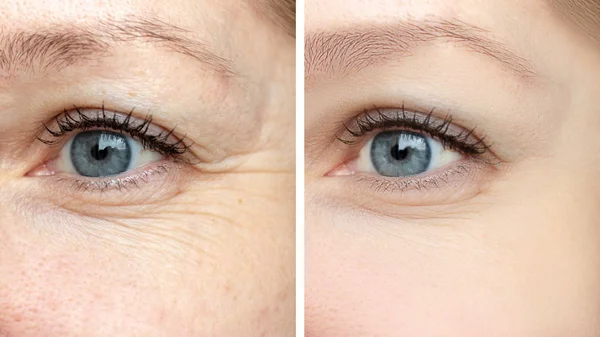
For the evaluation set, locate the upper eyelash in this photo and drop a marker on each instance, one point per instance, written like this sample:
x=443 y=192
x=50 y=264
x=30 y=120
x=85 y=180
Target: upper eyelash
x=159 y=142
x=376 y=119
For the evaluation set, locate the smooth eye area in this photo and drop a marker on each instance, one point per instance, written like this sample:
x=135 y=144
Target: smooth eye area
x=400 y=153
x=99 y=153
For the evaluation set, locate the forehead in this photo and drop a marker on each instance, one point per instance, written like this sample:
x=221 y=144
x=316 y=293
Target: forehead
x=331 y=13
x=187 y=12
x=216 y=25
x=199 y=15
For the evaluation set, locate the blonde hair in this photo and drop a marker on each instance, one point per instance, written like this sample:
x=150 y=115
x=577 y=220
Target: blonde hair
x=283 y=13
x=584 y=14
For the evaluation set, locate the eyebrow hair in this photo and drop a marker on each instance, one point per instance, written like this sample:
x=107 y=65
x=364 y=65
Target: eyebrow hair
x=357 y=48
x=64 y=45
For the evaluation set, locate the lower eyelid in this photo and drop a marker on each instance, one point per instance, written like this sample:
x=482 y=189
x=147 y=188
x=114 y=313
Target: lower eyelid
x=152 y=183
x=461 y=181
x=134 y=178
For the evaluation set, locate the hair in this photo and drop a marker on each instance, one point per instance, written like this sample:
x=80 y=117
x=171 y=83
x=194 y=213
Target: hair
x=283 y=13
x=584 y=14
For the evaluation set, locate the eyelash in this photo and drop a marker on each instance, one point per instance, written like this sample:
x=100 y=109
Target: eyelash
x=377 y=119
x=119 y=184
x=160 y=143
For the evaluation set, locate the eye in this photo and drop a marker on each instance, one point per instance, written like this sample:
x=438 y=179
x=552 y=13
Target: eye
x=98 y=148
x=102 y=153
x=400 y=153
x=399 y=143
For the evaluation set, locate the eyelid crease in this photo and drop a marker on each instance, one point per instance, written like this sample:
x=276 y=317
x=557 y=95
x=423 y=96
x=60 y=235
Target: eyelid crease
x=388 y=118
x=161 y=140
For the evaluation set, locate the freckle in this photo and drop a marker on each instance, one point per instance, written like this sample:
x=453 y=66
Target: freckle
x=132 y=94
x=240 y=201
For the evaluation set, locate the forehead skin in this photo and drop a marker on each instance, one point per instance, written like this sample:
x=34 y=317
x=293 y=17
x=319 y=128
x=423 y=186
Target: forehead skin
x=190 y=15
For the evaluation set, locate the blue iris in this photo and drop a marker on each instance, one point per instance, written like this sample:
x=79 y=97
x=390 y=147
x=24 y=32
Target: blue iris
x=400 y=153
x=100 y=153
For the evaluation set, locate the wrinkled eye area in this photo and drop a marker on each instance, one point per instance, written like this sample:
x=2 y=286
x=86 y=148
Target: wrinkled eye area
x=100 y=153
x=96 y=143
x=400 y=153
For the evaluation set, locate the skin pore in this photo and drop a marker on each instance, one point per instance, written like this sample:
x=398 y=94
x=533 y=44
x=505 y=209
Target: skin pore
x=504 y=243
x=198 y=244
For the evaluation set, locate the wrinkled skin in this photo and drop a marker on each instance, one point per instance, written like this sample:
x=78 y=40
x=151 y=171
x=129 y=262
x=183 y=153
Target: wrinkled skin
x=206 y=247
x=510 y=248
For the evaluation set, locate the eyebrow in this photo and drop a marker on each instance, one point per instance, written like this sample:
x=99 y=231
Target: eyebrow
x=65 y=45
x=354 y=49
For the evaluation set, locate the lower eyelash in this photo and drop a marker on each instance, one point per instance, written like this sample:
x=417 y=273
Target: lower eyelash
x=118 y=184
x=416 y=183
x=385 y=119
x=161 y=142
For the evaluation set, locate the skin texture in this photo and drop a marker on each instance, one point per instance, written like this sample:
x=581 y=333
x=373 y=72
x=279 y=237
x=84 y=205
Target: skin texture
x=206 y=247
x=508 y=247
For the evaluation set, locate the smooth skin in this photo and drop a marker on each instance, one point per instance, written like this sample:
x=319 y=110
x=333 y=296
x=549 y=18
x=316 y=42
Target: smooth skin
x=206 y=247
x=511 y=249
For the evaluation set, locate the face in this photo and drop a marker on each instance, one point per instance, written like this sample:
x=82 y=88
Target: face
x=451 y=185
x=146 y=169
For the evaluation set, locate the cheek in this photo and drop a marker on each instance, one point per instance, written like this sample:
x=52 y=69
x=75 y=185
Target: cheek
x=70 y=292
x=77 y=277
x=177 y=270
x=391 y=287
x=493 y=275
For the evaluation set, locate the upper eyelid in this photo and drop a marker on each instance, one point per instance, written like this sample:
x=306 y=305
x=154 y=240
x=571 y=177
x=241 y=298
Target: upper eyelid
x=143 y=130
x=78 y=115
x=386 y=118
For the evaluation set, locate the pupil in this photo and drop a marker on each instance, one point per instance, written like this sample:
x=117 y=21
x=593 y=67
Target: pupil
x=399 y=154
x=99 y=154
